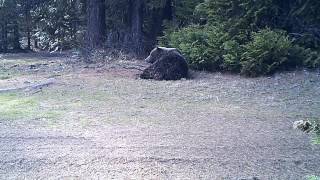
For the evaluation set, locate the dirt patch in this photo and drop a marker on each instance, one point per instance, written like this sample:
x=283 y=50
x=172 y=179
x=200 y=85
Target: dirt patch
x=101 y=121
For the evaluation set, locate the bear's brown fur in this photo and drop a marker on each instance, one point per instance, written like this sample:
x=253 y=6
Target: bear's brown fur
x=167 y=64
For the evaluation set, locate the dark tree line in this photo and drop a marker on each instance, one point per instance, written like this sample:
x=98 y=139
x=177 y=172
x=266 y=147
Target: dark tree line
x=52 y=25
x=41 y=24
x=136 y=25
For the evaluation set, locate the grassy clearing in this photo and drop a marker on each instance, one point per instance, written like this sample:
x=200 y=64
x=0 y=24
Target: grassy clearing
x=91 y=98
x=210 y=110
x=15 y=65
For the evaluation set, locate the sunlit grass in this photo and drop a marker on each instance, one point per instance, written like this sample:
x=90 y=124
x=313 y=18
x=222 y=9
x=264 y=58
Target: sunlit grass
x=16 y=107
x=4 y=74
x=316 y=140
x=313 y=177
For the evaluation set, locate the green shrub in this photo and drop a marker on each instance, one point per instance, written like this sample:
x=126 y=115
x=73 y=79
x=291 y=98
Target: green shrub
x=264 y=53
x=203 y=46
x=316 y=130
x=268 y=52
x=231 y=56
x=312 y=59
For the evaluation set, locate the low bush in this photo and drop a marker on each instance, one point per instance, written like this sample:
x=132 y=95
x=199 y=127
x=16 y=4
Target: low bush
x=232 y=52
x=316 y=129
x=312 y=59
x=268 y=52
x=264 y=53
x=202 y=46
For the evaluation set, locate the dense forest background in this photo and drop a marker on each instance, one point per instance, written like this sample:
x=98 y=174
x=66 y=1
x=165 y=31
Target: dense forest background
x=251 y=37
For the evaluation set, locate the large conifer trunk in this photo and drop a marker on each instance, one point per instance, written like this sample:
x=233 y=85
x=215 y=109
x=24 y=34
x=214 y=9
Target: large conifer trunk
x=16 y=36
x=158 y=17
x=96 y=25
x=130 y=38
x=28 y=24
x=4 y=38
x=136 y=25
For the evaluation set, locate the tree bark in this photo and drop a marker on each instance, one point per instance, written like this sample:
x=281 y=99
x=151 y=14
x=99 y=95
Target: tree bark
x=168 y=11
x=96 y=24
x=4 y=37
x=1 y=38
x=35 y=43
x=131 y=38
x=158 y=16
x=16 y=36
x=28 y=25
x=136 y=9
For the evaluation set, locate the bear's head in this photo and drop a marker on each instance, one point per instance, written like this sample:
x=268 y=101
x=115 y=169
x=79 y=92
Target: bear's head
x=158 y=52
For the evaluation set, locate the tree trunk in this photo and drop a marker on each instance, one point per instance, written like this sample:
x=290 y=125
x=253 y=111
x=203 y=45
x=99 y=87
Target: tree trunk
x=136 y=25
x=16 y=36
x=35 y=45
x=28 y=25
x=4 y=37
x=158 y=17
x=131 y=38
x=96 y=24
x=1 y=38
x=168 y=11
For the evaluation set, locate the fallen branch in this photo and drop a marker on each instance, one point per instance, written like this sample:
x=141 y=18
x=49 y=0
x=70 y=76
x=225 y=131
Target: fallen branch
x=33 y=87
x=132 y=67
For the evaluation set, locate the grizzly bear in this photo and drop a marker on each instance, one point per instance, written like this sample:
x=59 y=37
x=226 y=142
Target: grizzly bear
x=166 y=64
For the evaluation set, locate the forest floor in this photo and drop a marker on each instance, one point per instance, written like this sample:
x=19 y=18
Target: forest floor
x=102 y=122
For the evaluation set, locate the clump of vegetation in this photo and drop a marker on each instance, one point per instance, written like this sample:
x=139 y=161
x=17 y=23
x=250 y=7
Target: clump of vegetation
x=312 y=59
x=309 y=126
x=250 y=38
x=268 y=52
x=316 y=130
x=203 y=46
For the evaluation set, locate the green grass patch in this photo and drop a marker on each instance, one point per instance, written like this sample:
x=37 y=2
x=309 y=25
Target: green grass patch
x=8 y=73
x=16 y=106
x=316 y=140
x=313 y=177
x=4 y=77
x=4 y=74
